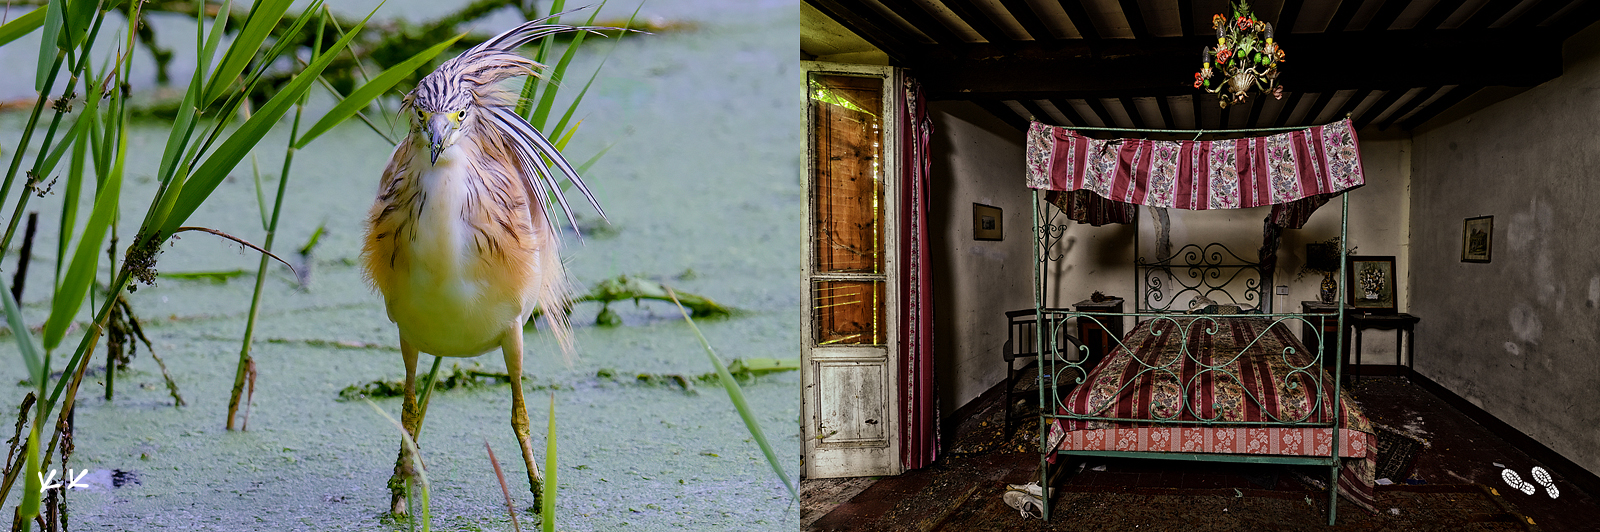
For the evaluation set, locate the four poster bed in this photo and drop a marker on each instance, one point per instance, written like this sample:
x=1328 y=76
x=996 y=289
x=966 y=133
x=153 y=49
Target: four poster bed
x=1225 y=380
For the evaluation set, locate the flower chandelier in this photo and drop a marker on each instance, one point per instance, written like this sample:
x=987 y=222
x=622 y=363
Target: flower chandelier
x=1245 y=57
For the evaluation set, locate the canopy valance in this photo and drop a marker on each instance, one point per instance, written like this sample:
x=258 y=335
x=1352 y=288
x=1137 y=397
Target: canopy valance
x=1102 y=181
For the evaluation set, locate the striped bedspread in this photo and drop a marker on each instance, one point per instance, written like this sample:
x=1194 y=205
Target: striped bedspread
x=1228 y=372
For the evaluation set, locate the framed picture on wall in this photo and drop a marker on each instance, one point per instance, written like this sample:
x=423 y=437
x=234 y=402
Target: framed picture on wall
x=1372 y=284
x=987 y=222
x=1477 y=239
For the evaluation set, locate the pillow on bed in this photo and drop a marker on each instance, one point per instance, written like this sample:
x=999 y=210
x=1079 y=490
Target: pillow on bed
x=1224 y=309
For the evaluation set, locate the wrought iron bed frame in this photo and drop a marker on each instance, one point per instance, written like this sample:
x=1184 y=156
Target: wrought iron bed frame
x=1198 y=270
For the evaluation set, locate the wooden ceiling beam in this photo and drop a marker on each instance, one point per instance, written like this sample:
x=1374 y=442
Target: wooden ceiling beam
x=1186 y=19
x=1317 y=107
x=1538 y=13
x=869 y=25
x=1080 y=19
x=1286 y=16
x=1038 y=112
x=1132 y=109
x=1341 y=18
x=1288 y=109
x=1409 y=105
x=1438 y=14
x=1004 y=113
x=1166 y=113
x=1030 y=21
x=968 y=12
x=1461 y=92
x=1387 y=14
x=923 y=21
x=1350 y=105
x=1130 y=11
x=1255 y=111
x=1100 y=111
x=1377 y=109
x=1156 y=66
x=1489 y=13
x=1068 y=111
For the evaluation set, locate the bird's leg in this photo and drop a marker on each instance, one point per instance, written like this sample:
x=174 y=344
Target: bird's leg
x=409 y=419
x=512 y=347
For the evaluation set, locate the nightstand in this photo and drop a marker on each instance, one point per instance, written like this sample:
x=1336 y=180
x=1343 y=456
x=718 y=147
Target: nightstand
x=1100 y=337
x=1404 y=327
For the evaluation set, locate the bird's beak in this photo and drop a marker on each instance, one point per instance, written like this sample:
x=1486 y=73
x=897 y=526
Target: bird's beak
x=439 y=128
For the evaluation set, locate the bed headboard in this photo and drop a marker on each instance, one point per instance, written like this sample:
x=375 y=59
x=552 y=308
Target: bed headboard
x=1212 y=270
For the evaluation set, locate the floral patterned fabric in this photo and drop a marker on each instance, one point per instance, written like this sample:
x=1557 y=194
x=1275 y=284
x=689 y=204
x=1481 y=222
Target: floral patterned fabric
x=1224 y=370
x=1295 y=172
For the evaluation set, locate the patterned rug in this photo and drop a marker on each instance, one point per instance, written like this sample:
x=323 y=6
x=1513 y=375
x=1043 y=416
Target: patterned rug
x=1429 y=507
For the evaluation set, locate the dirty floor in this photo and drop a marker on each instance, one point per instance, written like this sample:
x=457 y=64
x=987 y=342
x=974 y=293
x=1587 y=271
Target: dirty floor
x=1458 y=484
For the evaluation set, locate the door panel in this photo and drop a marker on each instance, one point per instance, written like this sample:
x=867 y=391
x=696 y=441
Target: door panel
x=849 y=415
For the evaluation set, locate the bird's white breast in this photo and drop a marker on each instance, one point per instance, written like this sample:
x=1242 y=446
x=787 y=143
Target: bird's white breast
x=442 y=303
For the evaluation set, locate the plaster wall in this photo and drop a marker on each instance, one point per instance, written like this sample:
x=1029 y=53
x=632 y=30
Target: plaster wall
x=976 y=158
x=1517 y=336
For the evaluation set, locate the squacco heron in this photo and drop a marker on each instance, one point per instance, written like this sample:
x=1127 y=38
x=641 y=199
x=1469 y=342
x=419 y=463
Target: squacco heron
x=453 y=241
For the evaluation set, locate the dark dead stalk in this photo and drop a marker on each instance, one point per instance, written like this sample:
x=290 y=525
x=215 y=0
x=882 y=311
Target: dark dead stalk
x=239 y=241
x=249 y=394
x=27 y=254
x=17 y=444
x=132 y=325
x=511 y=509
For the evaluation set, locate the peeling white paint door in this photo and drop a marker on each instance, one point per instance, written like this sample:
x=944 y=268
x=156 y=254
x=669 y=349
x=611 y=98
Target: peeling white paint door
x=849 y=405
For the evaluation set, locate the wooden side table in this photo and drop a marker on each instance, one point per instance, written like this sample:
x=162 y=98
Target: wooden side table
x=1099 y=337
x=1404 y=327
x=1329 y=328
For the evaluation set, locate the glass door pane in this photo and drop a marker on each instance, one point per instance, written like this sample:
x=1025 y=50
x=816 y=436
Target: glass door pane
x=849 y=210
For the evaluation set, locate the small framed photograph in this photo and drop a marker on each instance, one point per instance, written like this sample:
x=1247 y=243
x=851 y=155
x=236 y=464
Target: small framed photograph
x=987 y=223
x=1477 y=239
x=1372 y=284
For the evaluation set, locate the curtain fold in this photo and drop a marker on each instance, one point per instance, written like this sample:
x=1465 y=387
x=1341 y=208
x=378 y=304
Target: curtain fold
x=919 y=419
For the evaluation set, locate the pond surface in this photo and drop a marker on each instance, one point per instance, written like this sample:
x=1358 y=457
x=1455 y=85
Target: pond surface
x=702 y=188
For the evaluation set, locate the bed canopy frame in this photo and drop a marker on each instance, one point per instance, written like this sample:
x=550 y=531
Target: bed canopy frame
x=1294 y=171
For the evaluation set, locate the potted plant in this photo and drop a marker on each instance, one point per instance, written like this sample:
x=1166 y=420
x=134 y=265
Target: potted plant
x=1324 y=257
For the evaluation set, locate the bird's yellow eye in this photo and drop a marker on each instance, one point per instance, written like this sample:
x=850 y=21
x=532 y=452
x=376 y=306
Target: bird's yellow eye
x=461 y=115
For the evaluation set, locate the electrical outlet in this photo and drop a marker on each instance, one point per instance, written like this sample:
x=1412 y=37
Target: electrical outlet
x=1283 y=289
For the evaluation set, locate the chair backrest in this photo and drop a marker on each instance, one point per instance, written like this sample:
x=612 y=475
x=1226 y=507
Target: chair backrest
x=1022 y=328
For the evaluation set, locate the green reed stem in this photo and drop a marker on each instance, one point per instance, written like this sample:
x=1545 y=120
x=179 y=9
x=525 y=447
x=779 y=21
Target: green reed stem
x=272 y=233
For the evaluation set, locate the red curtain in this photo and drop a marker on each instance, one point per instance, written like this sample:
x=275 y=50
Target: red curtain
x=919 y=420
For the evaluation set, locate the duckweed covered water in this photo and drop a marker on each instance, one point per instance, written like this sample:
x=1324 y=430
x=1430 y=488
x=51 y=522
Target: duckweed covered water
x=704 y=176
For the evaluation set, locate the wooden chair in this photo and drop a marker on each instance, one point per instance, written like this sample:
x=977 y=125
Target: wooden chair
x=1021 y=333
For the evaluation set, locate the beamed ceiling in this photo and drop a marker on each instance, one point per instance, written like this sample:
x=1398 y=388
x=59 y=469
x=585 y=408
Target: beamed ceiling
x=1131 y=63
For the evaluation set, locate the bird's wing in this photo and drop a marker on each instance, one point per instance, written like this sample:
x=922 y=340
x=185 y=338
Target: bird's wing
x=530 y=145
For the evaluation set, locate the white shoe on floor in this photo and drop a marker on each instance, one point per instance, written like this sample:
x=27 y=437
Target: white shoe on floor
x=1027 y=504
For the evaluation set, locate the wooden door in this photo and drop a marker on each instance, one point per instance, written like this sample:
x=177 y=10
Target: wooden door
x=849 y=408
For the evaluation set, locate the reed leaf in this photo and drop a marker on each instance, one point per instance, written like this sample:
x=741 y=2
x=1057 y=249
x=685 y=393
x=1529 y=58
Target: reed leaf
x=547 y=510
x=209 y=51
x=22 y=25
x=547 y=100
x=74 y=288
x=47 y=43
x=19 y=332
x=736 y=395
x=360 y=98
x=216 y=167
x=257 y=27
